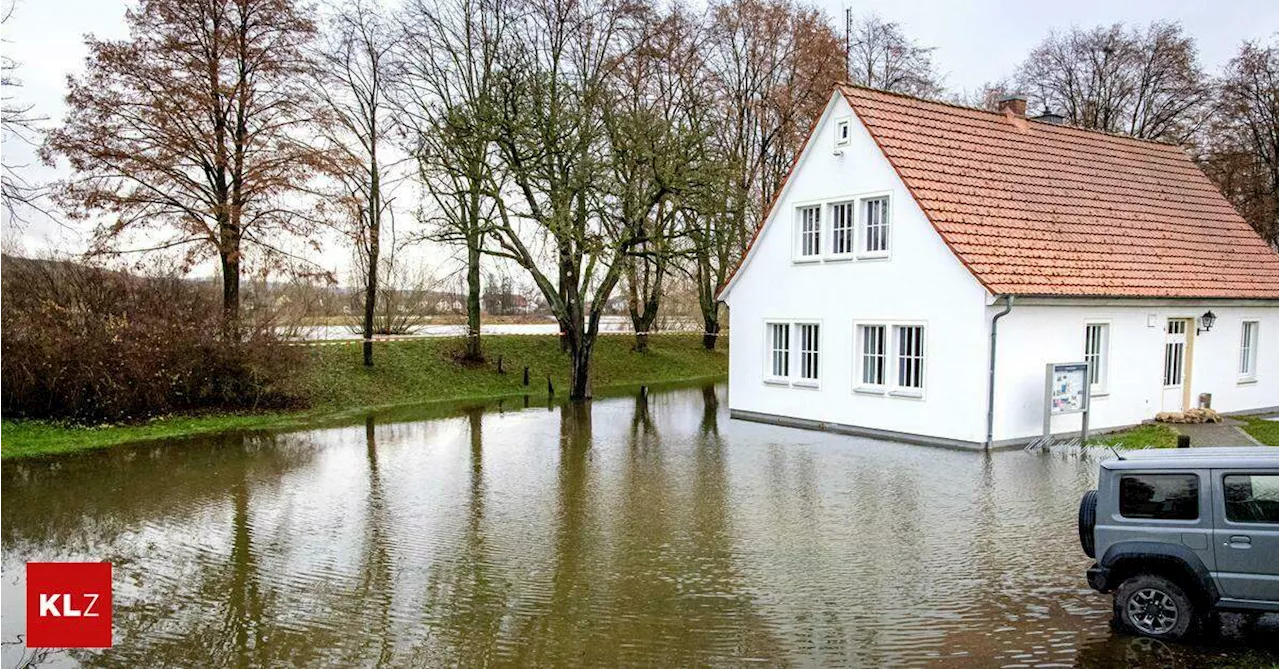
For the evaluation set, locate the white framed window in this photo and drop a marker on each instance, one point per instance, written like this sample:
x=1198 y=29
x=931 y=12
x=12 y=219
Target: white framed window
x=809 y=349
x=842 y=132
x=873 y=231
x=842 y=228
x=1097 y=352
x=910 y=363
x=778 y=365
x=809 y=232
x=1248 y=350
x=871 y=356
x=896 y=365
x=793 y=353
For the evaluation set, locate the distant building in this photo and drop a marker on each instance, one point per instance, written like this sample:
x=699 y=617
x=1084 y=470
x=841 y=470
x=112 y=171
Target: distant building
x=913 y=237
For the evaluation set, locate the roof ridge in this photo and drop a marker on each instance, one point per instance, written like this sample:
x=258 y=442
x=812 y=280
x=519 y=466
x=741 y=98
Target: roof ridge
x=1065 y=126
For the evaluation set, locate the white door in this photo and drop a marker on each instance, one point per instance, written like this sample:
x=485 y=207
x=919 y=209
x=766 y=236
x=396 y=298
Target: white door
x=1175 y=364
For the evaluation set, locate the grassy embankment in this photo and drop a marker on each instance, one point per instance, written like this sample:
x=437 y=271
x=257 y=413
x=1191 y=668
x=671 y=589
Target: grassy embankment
x=405 y=372
x=1149 y=435
x=1161 y=435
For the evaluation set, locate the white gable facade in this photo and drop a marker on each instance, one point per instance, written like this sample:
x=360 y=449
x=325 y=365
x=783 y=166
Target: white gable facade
x=850 y=313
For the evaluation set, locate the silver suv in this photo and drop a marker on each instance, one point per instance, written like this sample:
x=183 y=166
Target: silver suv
x=1179 y=534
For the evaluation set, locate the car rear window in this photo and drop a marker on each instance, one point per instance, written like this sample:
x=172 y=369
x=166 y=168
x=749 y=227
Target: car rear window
x=1160 y=496
x=1251 y=498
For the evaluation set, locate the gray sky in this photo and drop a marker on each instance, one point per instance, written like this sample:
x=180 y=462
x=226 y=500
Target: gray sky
x=976 y=42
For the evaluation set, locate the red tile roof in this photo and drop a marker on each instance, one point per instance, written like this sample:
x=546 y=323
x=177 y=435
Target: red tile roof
x=1039 y=209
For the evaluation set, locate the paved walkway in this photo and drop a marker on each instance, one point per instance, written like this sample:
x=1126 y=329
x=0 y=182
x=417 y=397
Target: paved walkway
x=1226 y=433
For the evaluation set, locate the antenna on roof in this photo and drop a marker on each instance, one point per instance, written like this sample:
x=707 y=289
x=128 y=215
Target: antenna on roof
x=1115 y=452
x=848 y=27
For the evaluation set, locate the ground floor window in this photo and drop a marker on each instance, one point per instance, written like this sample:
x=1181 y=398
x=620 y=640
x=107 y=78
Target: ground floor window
x=779 y=350
x=788 y=340
x=1175 y=346
x=1249 y=350
x=808 y=351
x=899 y=370
x=1096 y=344
x=872 y=360
x=910 y=356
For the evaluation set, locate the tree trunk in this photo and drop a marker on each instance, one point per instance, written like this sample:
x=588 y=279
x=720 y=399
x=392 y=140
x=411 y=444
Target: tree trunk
x=474 y=351
x=642 y=340
x=231 y=294
x=710 y=330
x=371 y=294
x=375 y=249
x=580 y=372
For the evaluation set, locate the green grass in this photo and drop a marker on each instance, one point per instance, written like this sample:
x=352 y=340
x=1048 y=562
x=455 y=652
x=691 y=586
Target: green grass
x=404 y=373
x=1265 y=431
x=1147 y=435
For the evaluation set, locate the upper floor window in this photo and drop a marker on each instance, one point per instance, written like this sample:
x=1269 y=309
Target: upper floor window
x=1249 y=350
x=1096 y=344
x=842 y=228
x=809 y=225
x=875 y=227
x=842 y=132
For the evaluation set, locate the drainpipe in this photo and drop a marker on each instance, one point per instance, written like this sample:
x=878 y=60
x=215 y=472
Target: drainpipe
x=991 y=371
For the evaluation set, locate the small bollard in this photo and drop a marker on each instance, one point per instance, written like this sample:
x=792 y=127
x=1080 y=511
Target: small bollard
x=526 y=376
x=1184 y=441
x=500 y=365
x=551 y=390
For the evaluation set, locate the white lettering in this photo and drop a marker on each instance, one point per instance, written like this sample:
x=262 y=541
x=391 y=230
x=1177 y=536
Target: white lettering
x=49 y=605
x=93 y=599
x=67 y=611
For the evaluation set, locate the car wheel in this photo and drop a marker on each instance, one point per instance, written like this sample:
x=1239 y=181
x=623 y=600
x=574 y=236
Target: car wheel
x=1154 y=606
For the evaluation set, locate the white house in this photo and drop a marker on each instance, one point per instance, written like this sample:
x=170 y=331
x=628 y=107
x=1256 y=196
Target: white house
x=923 y=262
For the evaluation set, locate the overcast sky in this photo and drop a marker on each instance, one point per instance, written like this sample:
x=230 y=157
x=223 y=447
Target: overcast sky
x=975 y=41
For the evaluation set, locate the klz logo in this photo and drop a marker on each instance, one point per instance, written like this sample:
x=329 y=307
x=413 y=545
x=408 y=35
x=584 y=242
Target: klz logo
x=68 y=604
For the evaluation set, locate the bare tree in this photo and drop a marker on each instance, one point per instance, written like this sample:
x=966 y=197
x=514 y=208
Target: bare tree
x=1146 y=84
x=882 y=56
x=196 y=125
x=450 y=55
x=20 y=123
x=352 y=81
x=774 y=65
x=1242 y=138
x=770 y=67
x=656 y=156
x=551 y=138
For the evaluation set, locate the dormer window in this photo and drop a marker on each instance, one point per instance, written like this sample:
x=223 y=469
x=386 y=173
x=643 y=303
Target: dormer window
x=842 y=132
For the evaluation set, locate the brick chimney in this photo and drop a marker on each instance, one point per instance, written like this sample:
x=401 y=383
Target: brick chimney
x=1014 y=104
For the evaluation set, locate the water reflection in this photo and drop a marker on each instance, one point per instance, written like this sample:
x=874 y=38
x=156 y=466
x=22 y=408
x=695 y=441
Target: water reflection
x=645 y=529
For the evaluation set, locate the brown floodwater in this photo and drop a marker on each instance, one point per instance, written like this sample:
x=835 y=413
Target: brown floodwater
x=639 y=530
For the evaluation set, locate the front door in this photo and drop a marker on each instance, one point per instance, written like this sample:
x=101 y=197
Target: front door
x=1244 y=532
x=1175 y=364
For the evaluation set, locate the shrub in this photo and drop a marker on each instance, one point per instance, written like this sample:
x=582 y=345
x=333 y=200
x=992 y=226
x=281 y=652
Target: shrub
x=89 y=345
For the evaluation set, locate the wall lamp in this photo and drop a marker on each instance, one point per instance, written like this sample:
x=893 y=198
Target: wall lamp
x=1207 y=320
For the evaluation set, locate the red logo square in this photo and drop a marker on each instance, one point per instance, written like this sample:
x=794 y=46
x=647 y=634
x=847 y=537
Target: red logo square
x=68 y=605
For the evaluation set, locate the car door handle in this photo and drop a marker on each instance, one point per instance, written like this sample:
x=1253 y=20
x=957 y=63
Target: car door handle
x=1239 y=541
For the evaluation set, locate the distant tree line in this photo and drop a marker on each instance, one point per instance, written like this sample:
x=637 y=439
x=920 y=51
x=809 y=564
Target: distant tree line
x=596 y=145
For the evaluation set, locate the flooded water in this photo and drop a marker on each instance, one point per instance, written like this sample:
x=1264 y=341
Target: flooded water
x=550 y=327
x=645 y=530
